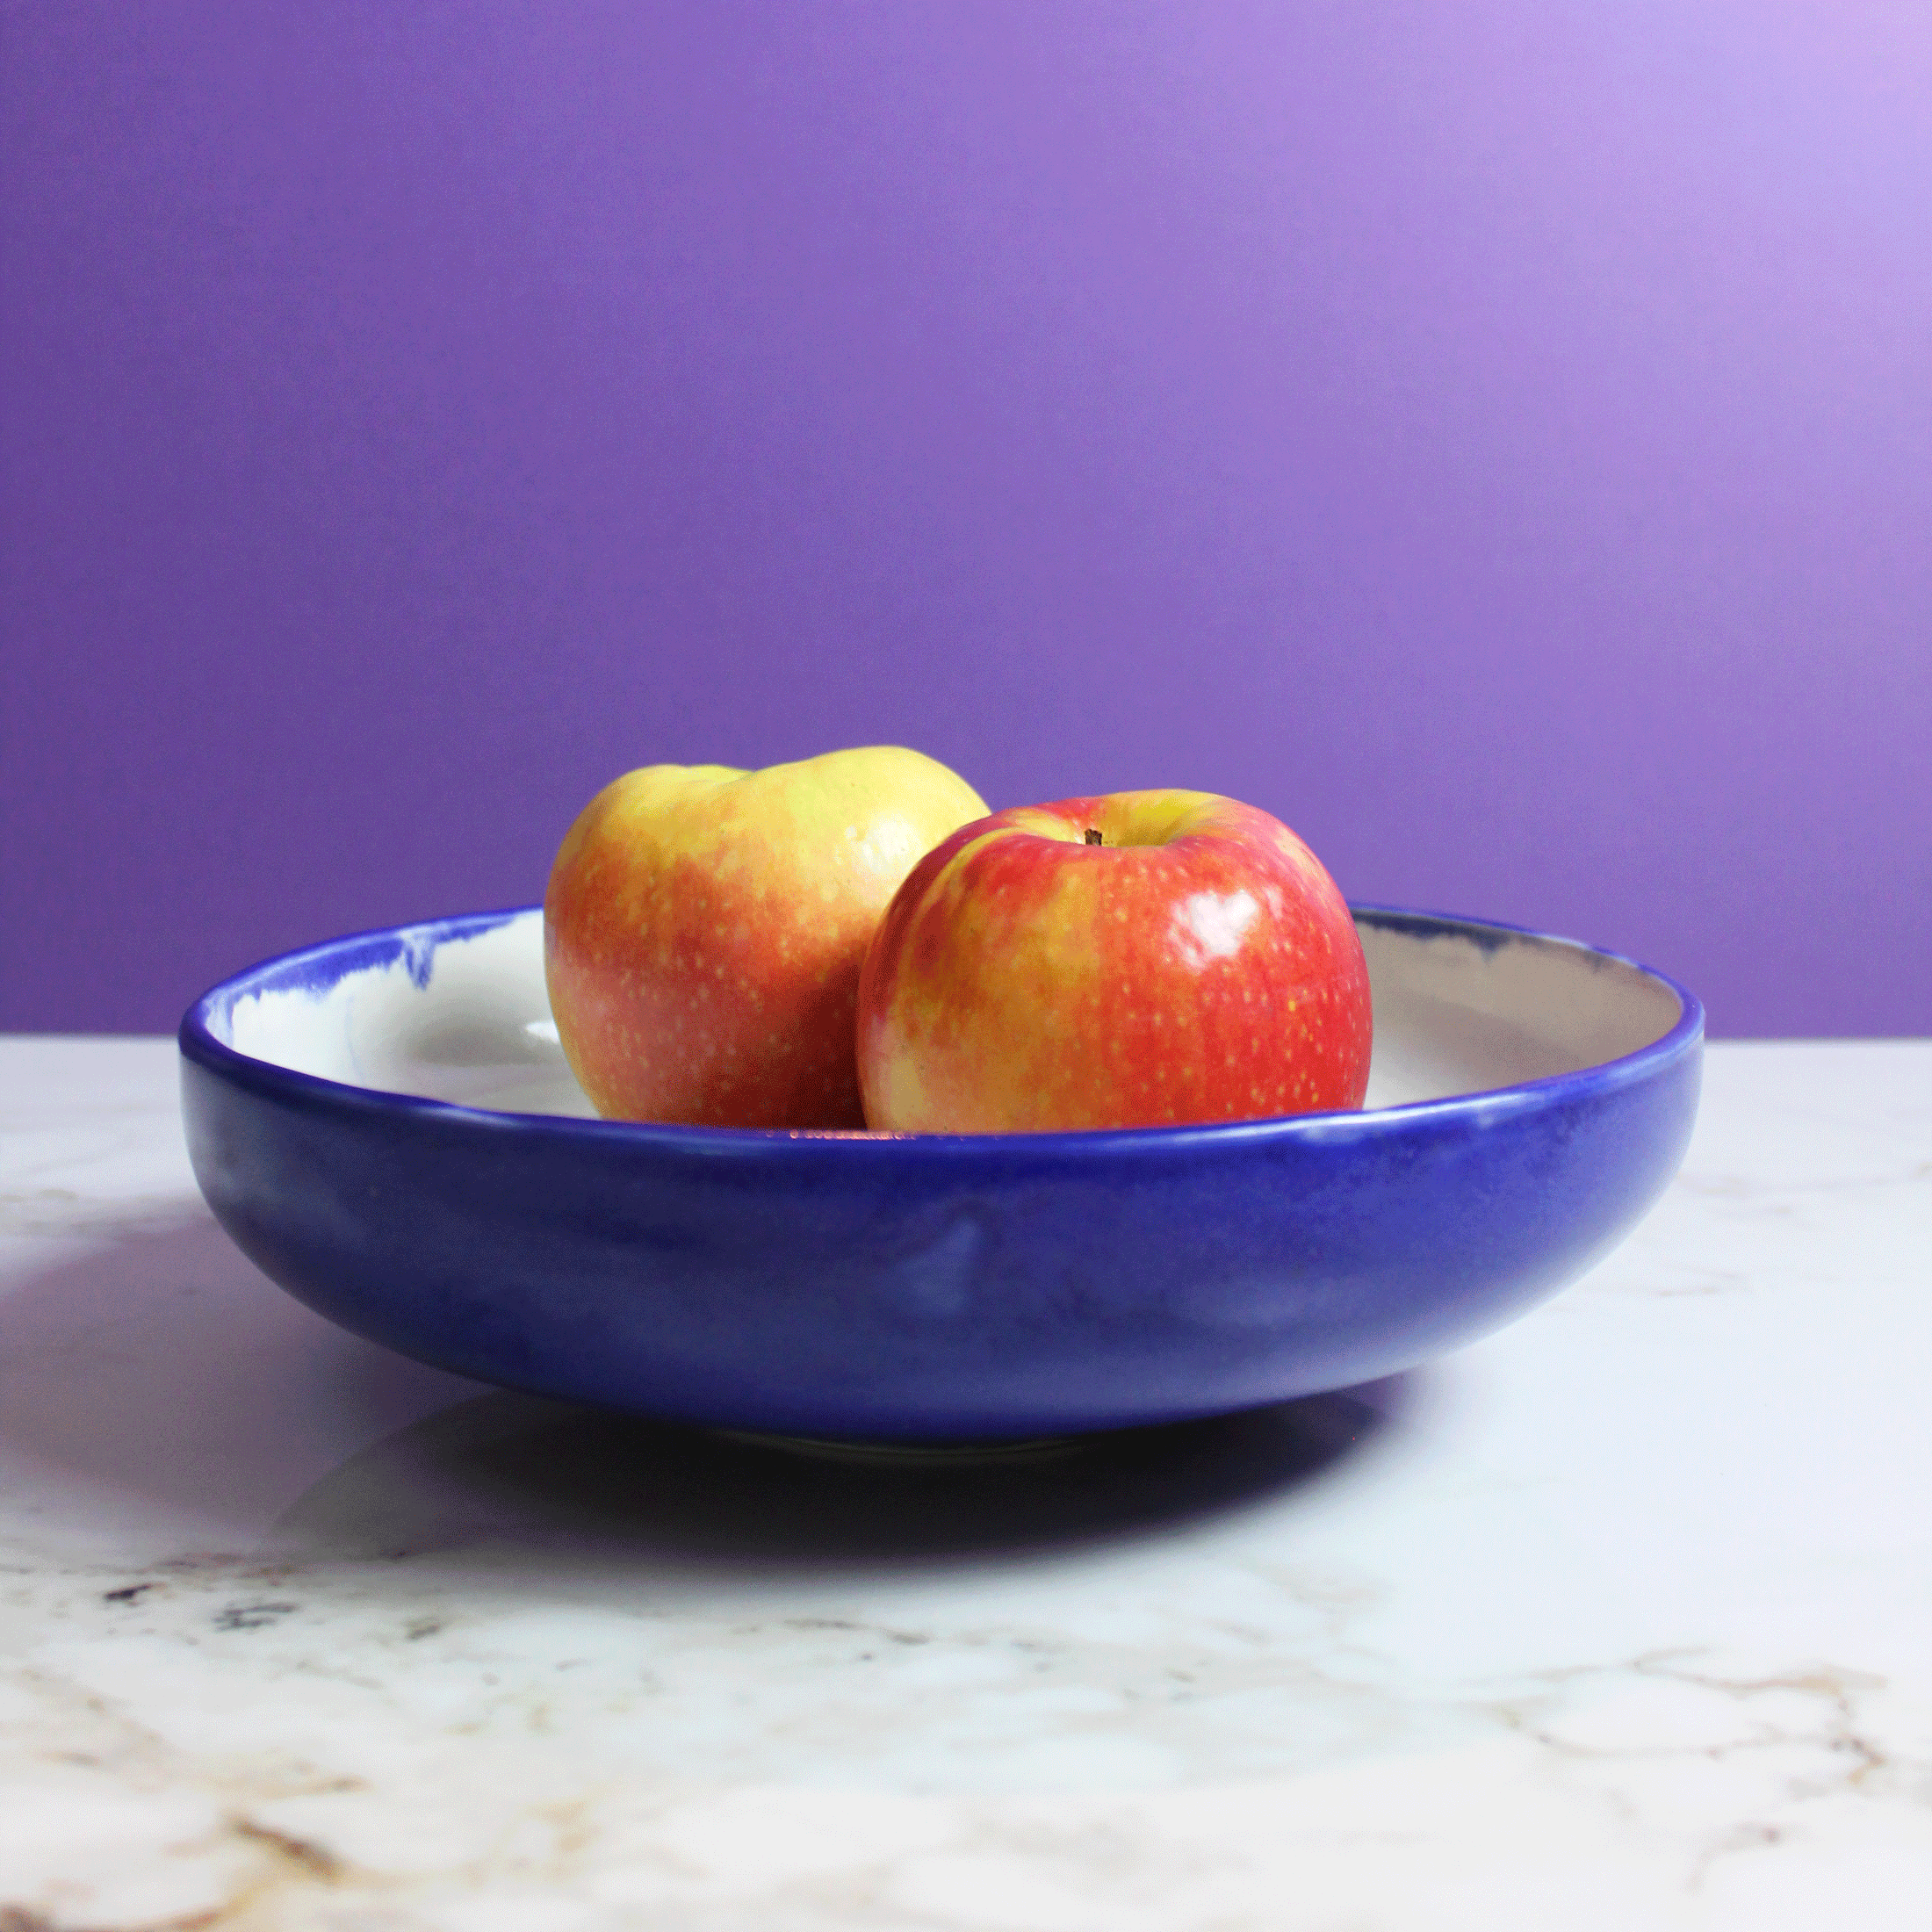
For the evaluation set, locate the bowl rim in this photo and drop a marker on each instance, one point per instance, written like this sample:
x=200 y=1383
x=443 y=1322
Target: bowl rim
x=198 y=1044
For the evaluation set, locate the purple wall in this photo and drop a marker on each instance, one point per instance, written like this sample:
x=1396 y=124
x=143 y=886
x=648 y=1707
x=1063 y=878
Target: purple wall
x=1493 y=435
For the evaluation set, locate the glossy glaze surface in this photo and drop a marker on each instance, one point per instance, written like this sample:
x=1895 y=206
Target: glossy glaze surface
x=386 y=1126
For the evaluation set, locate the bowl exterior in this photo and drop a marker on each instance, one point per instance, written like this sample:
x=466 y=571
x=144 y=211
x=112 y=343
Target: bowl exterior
x=930 y=1289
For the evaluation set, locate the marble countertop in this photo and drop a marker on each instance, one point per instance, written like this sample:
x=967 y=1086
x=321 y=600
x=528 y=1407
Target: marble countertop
x=1621 y=1618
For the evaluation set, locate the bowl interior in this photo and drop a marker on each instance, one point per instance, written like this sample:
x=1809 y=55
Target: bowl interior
x=456 y=1010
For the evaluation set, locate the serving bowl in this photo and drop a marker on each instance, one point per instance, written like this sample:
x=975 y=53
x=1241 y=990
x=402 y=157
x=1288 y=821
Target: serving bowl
x=386 y=1125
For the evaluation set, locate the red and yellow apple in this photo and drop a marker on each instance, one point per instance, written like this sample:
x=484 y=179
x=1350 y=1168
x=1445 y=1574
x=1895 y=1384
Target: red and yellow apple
x=703 y=930
x=1149 y=958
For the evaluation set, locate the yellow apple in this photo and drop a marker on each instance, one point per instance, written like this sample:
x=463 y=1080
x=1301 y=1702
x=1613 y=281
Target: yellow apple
x=703 y=930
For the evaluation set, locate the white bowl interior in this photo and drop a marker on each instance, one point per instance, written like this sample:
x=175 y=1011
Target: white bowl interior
x=469 y=1020
x=1457 y=1015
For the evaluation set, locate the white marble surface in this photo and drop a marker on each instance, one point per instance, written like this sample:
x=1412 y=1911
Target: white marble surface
x=1621 y=1618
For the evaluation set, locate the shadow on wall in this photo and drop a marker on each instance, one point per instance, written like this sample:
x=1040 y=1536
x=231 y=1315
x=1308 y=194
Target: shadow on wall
x=175 y=1398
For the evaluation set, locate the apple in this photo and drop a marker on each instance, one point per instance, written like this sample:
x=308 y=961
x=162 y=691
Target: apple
x=703 y=930
x=1146 y=959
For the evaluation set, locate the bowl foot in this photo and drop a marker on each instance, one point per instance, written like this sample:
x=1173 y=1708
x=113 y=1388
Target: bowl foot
x=912 y=1455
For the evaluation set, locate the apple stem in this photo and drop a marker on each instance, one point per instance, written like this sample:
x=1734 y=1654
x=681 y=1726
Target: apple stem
x=1092 y=836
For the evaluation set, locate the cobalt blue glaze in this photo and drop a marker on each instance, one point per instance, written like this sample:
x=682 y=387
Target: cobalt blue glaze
x=928 y=1289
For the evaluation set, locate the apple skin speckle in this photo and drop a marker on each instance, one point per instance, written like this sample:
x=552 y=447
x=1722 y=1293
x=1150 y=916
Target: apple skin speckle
x=1023 y=979
x=704 y=930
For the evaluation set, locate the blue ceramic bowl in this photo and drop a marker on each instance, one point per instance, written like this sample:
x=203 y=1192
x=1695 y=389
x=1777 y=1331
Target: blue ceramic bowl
x=386 y=1125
